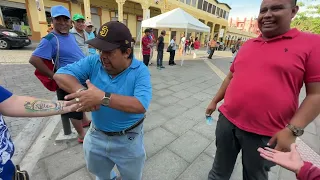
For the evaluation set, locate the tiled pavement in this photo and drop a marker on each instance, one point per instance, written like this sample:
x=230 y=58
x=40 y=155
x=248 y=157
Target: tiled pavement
x=16 y=74
x=179 y=144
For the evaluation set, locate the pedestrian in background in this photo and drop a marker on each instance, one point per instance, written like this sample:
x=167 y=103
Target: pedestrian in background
x=146 y=46
x=90 y=35
x=173 y=48
x=212 y=46
x=60 y=45
x=196 y=46
x=160 y=47
x=263 y=121
x=79 y=33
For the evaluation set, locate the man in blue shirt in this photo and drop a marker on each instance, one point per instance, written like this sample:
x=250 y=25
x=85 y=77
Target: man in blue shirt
x=21 y=106
x=90 y=34
x=121 y=86
x=64 y=44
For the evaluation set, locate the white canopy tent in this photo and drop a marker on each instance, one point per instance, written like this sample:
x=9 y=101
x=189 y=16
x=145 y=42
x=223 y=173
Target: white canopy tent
x=176 y=19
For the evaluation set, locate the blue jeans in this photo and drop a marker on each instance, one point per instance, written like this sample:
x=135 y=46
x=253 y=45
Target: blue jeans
x=102 y=152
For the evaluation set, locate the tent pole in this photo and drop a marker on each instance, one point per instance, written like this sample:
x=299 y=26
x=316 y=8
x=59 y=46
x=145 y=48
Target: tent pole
x=183 y=50
x=140 y=43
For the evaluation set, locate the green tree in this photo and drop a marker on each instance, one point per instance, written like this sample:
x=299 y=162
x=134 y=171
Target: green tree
x=308 y=20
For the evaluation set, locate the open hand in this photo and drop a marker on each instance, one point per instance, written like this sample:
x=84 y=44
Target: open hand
x=289 y=160
x=86 y=100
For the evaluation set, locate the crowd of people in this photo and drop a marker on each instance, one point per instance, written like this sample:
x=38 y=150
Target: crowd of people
x=98 y=73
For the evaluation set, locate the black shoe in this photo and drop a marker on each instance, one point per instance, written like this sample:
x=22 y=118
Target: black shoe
x=162 y=67
x=171 y=64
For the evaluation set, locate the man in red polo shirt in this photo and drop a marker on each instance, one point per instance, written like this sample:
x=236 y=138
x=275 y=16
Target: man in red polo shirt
x=261 y=93
x=146 y=46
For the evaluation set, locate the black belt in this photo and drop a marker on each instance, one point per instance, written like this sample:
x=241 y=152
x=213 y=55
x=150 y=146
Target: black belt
x=123 y=132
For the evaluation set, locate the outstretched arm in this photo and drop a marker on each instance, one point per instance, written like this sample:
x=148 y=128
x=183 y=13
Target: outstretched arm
x=24 y=106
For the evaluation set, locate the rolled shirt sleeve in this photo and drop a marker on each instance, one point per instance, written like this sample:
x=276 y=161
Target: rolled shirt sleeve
x=143 y=88
x=44 y=50
x=81 y=69
x=4 y=94
x=312 y=66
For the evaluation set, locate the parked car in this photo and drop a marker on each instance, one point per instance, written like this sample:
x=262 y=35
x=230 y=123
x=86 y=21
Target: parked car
x=11 y=38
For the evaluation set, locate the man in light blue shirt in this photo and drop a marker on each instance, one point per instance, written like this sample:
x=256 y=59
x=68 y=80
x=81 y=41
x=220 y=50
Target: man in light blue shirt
x=119 y=86
x=90 y=34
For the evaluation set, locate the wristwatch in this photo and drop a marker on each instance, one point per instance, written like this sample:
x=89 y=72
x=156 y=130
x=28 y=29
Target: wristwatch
x=106 y=99
x=295 y=130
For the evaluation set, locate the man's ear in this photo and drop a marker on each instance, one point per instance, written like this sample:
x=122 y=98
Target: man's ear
x=295 y=11
x=128 y=52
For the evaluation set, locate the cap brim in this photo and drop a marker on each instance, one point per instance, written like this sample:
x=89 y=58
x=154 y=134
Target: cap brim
x=102 y=45
x=57 y=15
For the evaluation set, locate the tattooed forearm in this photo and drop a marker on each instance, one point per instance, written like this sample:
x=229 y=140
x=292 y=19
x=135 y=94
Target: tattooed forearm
x=43 y=106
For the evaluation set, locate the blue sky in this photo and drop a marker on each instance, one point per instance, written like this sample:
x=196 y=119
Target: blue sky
x=248 y=8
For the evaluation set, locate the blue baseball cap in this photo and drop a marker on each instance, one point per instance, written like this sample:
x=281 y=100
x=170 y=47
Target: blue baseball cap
x=59 y=11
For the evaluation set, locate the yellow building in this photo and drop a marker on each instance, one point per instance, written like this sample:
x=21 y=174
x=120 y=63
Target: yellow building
x=130 y=12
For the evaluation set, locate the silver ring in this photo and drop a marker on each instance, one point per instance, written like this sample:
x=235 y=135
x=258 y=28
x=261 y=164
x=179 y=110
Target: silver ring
x=77 y=100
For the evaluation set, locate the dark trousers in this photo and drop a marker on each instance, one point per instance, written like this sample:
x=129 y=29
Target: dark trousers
x=229 y=141
x=171 y=59
x=211 y=52
x=159 y=58
x=146 y=59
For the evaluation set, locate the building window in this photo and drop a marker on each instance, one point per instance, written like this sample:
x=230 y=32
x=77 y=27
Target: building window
x=205 y=6
x=218 y=11
x=227 y=15
x=221 y=13
x=194 y=3
x=188 y=2
x=209 y=8
x=200 y=2
x=224 y=14
x=214 y=9
x=182 y=1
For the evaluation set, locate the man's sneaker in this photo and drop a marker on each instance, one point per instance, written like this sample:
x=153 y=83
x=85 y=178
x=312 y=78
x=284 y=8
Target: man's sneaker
x=162 y=67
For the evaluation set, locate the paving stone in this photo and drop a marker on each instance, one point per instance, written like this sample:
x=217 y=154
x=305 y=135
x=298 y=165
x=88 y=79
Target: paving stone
x=153 y=120
x=286 y=174
x=81 y=174
x=273 y=176
x=164 y=92
x=310 y=140
x=211 y=149
x=168 y=100
x=237 y=172
x=179 y=125
x=206 y=130
x=160 y=86
x=177 y=88
x=65 y=162
x=154 y=106
x=311 y=128
x=196 y=113
x=173 y=82
x=189 y=145
x=189 y=102
x=157 y=139
x=199 y=168
x=173 y=110
x=202 y=96
x=39 y=172
x=194 y=89
x=183 y=94
x=170 y=168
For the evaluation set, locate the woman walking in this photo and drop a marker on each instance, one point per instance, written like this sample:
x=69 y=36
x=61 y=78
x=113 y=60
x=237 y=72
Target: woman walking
x=196 y=47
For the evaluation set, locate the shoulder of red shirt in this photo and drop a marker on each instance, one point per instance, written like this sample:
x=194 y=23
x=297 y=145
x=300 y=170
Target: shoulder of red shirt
x=309 y=172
